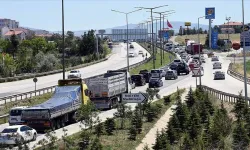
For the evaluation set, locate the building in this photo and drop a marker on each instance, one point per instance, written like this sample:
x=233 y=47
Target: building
x=133 y=34
x=3 y=31
x=20 y=34
x=28 y=32
x=229 y=27
x=40 y=32
x=227 y=30
x=11 y=24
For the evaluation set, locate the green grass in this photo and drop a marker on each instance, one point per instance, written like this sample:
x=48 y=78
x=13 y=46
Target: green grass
x=119 y=140
x=239 y=67
x=27 y=102
x=149 y=65
x=181 y=39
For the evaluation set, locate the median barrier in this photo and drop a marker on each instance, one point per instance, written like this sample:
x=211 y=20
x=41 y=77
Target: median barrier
x=225 y=97
x=235 y=74
x=27 y=76
x=30 y=94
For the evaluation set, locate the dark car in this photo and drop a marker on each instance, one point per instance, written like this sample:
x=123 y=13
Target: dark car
x=173 y=66
x=171 y=74
x=182 y=68
x=138 y=79
x=155 y=82
x=146 y=74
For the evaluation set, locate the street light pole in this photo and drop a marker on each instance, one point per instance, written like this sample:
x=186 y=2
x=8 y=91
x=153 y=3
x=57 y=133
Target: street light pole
x=228 y=19
x=244 y=52
x=152 y=40
x=127 y=31
x=63 y=46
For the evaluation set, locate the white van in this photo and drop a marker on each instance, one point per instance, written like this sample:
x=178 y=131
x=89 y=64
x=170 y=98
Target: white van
x=15 y=115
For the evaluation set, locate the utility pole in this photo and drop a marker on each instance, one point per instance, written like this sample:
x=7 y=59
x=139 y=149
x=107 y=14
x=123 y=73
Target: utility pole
x=63 y=39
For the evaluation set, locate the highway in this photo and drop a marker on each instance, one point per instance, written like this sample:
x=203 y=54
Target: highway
x=230 y=85
x=116 y=61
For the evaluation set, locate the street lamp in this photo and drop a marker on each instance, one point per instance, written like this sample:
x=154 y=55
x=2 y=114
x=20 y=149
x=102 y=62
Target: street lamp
x=200 y=44
x=151 y=10
x=244 y=52
x=63 y=46
x=228 y=19
x=127 y=30
x=161 y=13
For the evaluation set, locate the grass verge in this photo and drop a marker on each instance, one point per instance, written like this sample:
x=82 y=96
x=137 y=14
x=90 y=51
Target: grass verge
x=5 y=108
x=119 y=140
x=149 y=65
x=181 y=39
x=239 y=67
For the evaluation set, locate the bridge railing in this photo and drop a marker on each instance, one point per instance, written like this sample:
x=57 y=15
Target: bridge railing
x=235 y=74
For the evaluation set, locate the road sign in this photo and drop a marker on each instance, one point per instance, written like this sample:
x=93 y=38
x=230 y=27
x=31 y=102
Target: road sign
x=196 y=71
x=134 y=97
x=214 y=40
x=35 y=80
x=187 y=23
x=245 y=35
x=210 y=13
x=166 y=35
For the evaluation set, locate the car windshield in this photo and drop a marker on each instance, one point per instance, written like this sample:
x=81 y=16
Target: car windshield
x=10 y=130
x=15 y=112
x=155 y=71
x=154 y=80
x=135 y=77
x=170 y=72
x=73 y=71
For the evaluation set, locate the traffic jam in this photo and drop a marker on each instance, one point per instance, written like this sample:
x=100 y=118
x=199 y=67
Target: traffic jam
x=188 y=62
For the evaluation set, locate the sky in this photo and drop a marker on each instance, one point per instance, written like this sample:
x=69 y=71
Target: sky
x=97 y=14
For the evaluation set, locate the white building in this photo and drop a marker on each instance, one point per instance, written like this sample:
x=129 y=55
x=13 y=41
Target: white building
x=133 y=34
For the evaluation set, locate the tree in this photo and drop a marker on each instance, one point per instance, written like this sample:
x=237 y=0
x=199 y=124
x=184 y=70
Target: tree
x=240 y=107
x=123 y=112
x=8 y=66
x=84 y=139
x=39 y=44
x=25 y=63
x=195 y=124
x=109 y=126
x=87 y=43
x=161 y=141
x=187 y=142
x=240 y=138
x=173 y=129
x=4 y=45
x=190 y=98
x=132 y=133
x=99 y=129
x=96 y=144
x=137 y=120
x=14 y=44
x=205 y=31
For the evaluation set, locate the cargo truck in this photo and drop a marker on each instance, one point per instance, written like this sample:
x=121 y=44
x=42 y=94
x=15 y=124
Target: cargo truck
x=106 y=91
x=60 y=109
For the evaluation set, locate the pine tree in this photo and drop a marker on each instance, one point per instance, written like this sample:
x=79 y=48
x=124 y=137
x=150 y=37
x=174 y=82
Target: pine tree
x=122 y=113
x=204 y=114
x=146 y=147
x=96 y=144
x=173 y=130
x=161 y=142
x=240 y=138
x=247 y=125
x=183 y=116
x=190 y=98
x=109 y=126
x=158 y=141
x=99 y=129
x=132 y=133
x=137 y=120
x=195 y=124
x=187 y=143
x=240 y=107
x=208 y=104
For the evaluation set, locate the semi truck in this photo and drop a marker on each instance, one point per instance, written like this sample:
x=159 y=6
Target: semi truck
x=106 y=91
x=60 y=109
x=193 y=48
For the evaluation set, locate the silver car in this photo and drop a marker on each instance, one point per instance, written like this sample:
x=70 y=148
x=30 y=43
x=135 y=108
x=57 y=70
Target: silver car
x=215 y=58
x=219 y=75
x=171 y=74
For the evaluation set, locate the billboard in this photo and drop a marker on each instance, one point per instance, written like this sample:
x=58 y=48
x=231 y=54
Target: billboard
x=161 y=33
x=214 y=40
x=187 y=23
x=210 y=13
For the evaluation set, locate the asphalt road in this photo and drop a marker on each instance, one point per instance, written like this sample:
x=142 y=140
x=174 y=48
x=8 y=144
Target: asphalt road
x=116 y=61
x=230 y=85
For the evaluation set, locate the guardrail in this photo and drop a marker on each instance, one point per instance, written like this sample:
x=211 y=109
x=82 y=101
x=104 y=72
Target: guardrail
x=235 y=74
x=226 y=97
x=22 y=96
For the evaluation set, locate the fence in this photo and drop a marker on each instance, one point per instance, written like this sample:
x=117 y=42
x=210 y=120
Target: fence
x=236 y=75
x=226 y=97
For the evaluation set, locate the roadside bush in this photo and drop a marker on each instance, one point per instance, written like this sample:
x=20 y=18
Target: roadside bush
x=46 y=62
x=167 y=99
x=75 y=60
